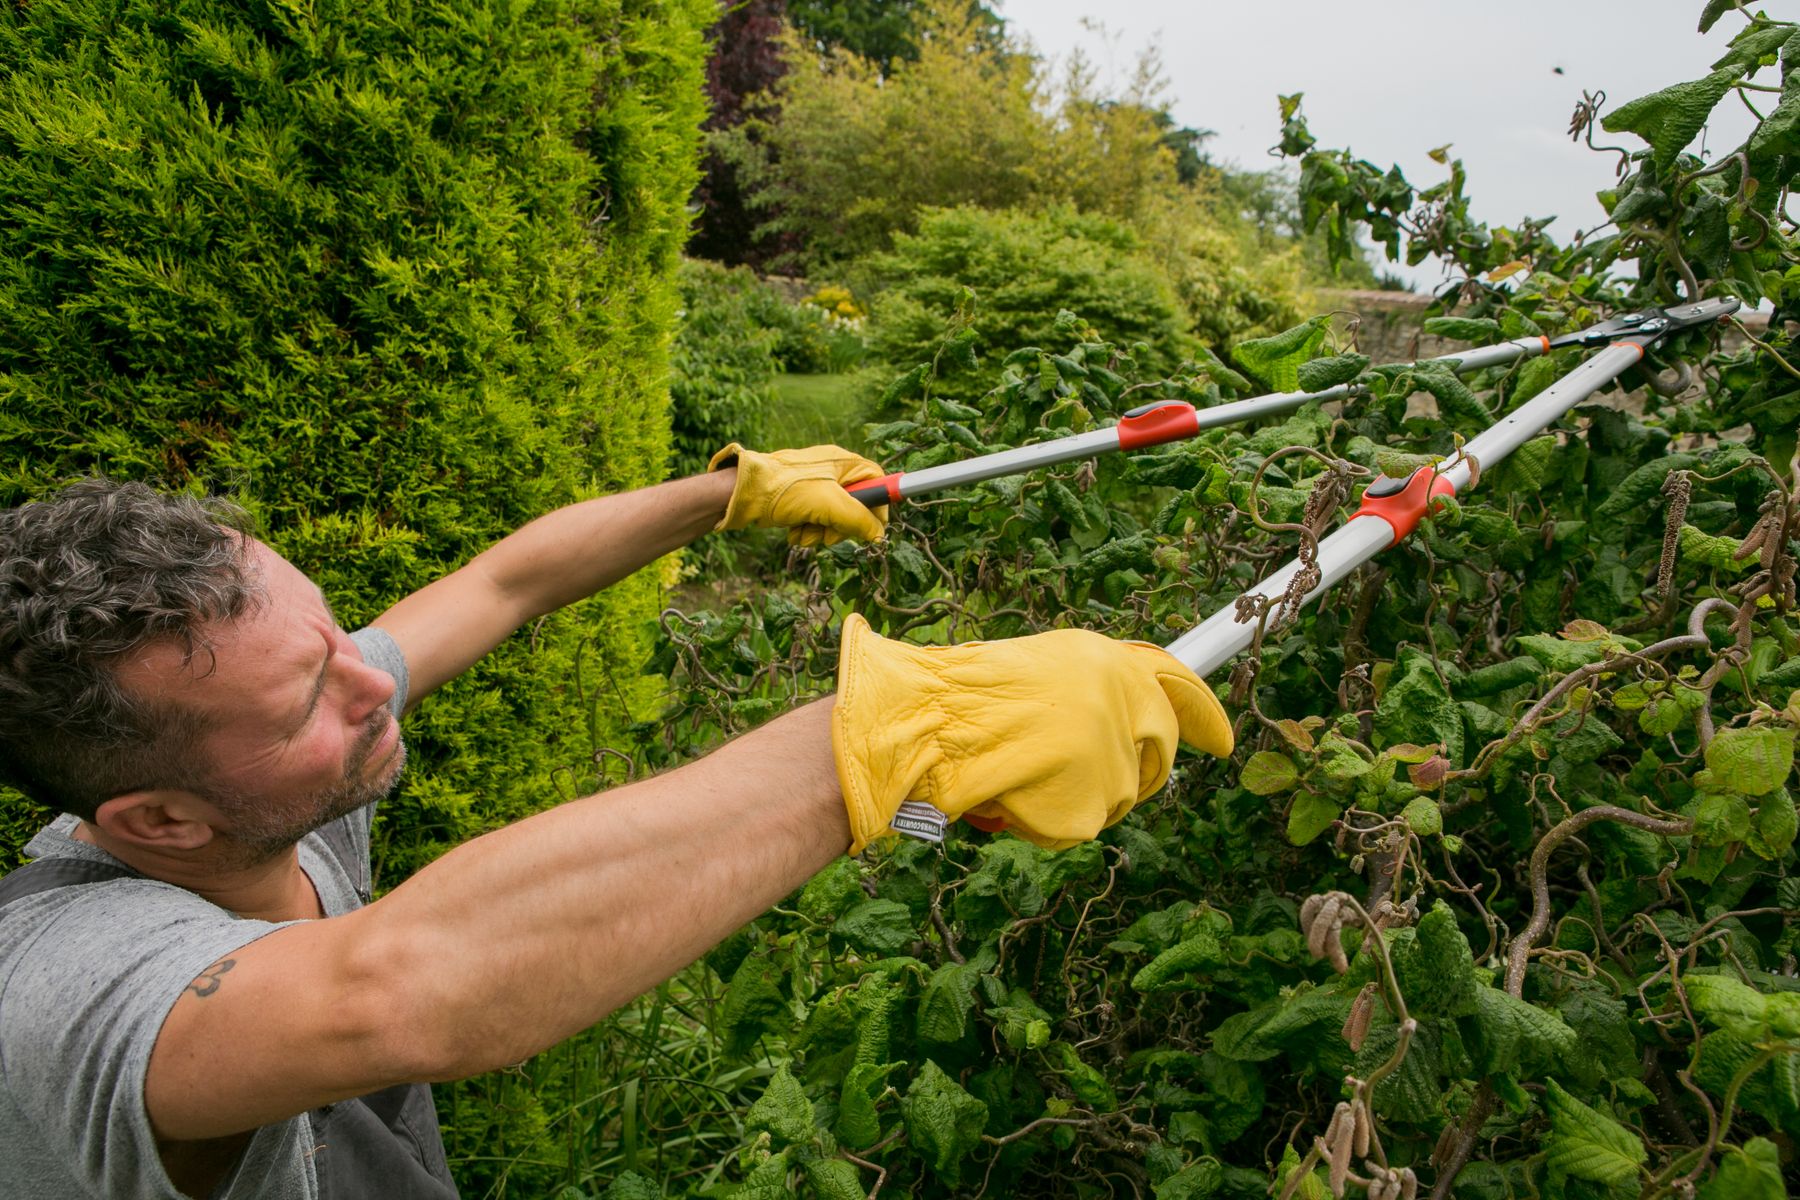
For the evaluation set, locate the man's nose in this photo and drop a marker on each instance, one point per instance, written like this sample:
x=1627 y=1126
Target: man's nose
x=371 y=688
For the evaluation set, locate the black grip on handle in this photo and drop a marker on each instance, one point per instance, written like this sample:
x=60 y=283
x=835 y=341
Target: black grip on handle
x=872 y=492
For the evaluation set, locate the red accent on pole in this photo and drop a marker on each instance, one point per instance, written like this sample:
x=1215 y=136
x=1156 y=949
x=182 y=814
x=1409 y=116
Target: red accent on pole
x=873 y=492
x=1405 y=509
x=1165 y=423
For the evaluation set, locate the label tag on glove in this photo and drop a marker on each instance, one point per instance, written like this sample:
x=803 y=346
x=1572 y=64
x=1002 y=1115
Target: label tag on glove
x=920 y=821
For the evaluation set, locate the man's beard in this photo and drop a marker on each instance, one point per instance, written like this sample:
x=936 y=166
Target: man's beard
x=262 y=829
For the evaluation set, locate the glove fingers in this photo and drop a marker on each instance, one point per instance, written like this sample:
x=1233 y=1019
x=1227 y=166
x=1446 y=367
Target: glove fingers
x=850 y=516
x=1201 y=717
x=1157 y=731
x=867 y=523
x=801 y=490
x=853 y=468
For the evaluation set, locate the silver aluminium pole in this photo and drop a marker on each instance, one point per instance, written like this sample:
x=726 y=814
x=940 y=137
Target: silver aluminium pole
x=1151 y=425
x=1392 y=508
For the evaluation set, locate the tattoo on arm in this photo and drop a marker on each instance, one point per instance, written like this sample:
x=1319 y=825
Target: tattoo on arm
x=208 y=980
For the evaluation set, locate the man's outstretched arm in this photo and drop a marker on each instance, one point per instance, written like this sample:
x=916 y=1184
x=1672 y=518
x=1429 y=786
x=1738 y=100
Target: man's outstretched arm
x=507 y=944
x=561 y=557
x=522 y=937
x=570 y=554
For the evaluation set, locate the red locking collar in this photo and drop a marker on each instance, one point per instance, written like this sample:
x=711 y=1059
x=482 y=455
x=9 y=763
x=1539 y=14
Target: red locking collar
x=1402 y=503
x=1167 y=422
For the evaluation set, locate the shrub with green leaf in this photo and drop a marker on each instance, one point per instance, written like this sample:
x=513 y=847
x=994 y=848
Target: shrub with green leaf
x=399 y=280
x=1498 y=896
x=1011 y=272
x=722 y=363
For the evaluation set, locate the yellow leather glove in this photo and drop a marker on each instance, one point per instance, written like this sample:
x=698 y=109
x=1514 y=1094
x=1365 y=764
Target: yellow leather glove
x=801 y=491
x=1059 y=734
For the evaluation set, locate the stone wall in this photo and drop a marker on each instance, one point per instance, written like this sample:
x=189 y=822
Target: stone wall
x=1389 y=324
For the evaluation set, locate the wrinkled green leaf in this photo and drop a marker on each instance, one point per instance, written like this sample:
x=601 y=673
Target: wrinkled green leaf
x=1202 y=952
x=1464 y=329
x=782 y=1109
x=1310 y=816
x=1671 y=118
x=1416 y=707
x=858 y=1124
x=1507 y=1034
x=835 y=1179
x=1423 y=816
x=1323 y=373
x=943 y=1122
x=1276 y=360
x=1748 y=1172
x=946 y=1002
x=1775 y=825
x=1269 y=773
x=876 y=926
x=1753 y=761
x=1588 y=1144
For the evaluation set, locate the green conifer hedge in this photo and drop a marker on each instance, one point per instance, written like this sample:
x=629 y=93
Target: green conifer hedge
x=401 y=277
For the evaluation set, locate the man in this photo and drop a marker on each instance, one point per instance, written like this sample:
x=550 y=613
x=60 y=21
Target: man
x=196 y=997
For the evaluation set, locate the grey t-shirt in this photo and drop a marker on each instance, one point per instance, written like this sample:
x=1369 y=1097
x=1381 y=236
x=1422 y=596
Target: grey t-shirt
x=87 y=975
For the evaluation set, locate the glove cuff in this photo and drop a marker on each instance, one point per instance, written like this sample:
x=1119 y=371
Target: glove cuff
x=880 y=742
x=737 y=509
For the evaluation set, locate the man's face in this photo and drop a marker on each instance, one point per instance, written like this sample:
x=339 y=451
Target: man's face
x=296 y=730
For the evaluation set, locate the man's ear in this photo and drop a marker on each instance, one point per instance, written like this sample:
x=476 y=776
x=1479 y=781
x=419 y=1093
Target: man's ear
x=161 y=819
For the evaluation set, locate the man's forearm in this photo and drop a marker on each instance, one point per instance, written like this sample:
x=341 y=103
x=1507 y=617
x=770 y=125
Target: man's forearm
x=570 y=554
x=519 y=939
x=561 y=557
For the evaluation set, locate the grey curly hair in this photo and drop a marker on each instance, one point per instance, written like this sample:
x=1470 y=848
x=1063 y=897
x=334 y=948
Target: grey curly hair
x=95 y=571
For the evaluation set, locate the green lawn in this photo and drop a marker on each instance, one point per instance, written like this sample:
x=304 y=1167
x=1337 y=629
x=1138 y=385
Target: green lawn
x=811 y=409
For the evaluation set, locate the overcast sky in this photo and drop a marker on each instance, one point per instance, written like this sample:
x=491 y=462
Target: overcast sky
x=1391 y=79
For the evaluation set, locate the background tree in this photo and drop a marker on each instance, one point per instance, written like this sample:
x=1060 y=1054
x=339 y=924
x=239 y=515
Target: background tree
x=882 y=31
x=744 y=60
x=826 y=163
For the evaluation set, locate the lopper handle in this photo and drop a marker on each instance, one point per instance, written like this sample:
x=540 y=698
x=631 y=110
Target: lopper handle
x=876 y=492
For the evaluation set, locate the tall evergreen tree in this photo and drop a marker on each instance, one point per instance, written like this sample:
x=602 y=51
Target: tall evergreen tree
x=399 y=277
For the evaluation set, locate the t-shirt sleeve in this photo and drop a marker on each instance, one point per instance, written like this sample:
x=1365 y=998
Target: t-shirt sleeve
x=379 y=649
x=81 y=1004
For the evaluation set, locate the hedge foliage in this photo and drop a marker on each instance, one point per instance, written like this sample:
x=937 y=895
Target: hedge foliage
x=401 y=278
x=1012 y=272
x=724 y=362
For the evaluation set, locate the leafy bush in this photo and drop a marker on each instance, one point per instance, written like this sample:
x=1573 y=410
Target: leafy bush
x=1498 y=897
x=1232 y=280
x=402 y=279
x=1022 y=268
x=721 y=364
x=823 y=165
x=809 y=339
